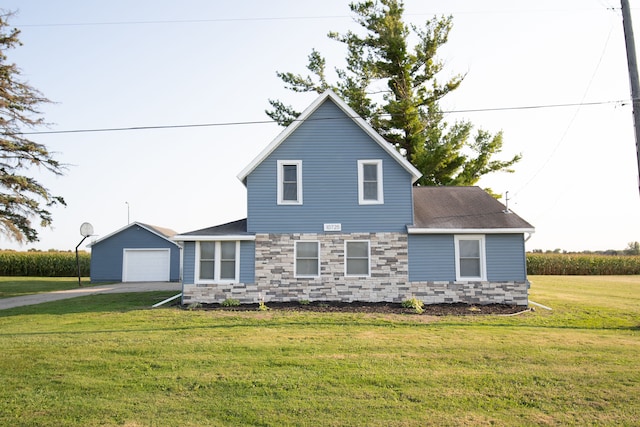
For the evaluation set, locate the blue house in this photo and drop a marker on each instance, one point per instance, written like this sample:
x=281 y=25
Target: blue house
x=136 y=253
x=333 y=215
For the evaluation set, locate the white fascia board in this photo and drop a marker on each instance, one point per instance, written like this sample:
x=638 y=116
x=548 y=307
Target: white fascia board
x=415 y=173
x=282 y=136
x=210 y=238
x=411 y=230
x=171 y=240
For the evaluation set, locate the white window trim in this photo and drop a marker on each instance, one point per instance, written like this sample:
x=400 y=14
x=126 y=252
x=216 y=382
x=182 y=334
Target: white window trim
x=361 y=199
x=216 y=265
x=483 y=257
x=295 y=259
x=280 y=177
x=346 y=259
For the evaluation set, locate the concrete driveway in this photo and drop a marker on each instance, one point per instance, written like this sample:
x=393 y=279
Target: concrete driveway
x=6 y=303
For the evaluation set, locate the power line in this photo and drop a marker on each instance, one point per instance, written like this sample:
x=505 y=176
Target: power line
x=260 y=122
x=573 y=118
x=183 y=21
x=533 y=107
x=284 y=18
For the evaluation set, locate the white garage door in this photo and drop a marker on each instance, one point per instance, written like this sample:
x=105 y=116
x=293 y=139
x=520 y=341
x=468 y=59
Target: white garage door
x=146 y=265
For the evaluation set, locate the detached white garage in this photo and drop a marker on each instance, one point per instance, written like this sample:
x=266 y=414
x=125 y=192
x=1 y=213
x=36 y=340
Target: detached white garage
x=136 y=253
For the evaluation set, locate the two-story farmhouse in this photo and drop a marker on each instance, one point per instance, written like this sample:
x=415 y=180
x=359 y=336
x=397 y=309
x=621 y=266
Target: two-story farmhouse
x=333 y=215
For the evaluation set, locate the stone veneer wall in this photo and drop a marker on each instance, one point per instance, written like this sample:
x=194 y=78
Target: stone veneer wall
x=275 y=280
x=481 y=293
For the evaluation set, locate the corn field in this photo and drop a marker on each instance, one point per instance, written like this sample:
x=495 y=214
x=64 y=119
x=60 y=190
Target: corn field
x=63 y=264
x=43 y=264
x=582 y=264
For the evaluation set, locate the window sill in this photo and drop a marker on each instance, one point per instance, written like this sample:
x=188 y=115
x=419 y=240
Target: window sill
x=216 y=282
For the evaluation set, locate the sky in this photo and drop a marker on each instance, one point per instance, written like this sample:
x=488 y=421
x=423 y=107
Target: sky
x=160 y=63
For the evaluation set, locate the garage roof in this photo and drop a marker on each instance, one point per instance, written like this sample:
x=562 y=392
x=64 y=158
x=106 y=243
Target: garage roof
x=165 y=233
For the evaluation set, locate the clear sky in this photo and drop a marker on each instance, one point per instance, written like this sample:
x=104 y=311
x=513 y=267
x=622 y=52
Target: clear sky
x=121 y=64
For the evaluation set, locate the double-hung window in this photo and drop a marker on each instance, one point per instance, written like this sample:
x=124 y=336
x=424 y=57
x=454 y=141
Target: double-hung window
x=289 y=182
x=357 y=255
x=307 y=255
x=218 y=261
x=370 y=185
x=207 y=260
x=470 y=258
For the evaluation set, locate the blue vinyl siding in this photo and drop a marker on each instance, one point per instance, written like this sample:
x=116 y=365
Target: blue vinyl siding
x=431 y=258
x=107 y=255
x=329 y=145
x=247 y=262
x=189 y=263
x=506 y=259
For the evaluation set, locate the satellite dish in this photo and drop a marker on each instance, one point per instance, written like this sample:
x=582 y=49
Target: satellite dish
x=86 y=229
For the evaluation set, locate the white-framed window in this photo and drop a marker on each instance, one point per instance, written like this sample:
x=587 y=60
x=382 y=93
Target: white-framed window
x=470 y=257
x=370 y=185
x=218 y=262
x=357 y=258
x=307 y=256
x=207 y=261
x=289 y=182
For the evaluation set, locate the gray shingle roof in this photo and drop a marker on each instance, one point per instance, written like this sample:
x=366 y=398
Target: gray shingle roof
x=166 y=232
x=231 y=228
x=461 y=208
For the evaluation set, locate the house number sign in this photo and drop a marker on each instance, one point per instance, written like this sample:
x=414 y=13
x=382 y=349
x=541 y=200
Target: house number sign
x=333 y=227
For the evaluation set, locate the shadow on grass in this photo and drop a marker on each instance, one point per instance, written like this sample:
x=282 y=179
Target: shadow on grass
x=97 y=303
x=128 y=302
x=21 y=286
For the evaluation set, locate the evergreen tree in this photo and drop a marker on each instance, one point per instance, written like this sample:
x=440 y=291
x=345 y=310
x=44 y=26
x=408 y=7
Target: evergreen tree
x=408 y=113
x=22 y=198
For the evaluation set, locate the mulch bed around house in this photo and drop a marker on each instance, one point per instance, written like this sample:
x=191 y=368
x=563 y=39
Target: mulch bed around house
x=376 y=307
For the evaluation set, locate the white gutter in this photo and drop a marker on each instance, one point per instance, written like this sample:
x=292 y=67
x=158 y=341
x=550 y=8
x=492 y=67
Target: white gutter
x=210 y=238
x=167 y=300
x=540 y=305
x=415 y=230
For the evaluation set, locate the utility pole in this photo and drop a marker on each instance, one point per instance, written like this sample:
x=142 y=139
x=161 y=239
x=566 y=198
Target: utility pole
x=633 y=75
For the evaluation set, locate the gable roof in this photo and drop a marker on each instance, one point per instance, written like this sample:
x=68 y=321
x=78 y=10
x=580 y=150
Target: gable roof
x=329 y=94
x=462 y=210
x=234 y=230
x=165 y=233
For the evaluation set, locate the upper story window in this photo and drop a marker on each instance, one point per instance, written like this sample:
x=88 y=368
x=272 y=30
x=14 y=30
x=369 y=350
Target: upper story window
x=470 y=258
x=289 y=182
x=370 y=182
x=217 y=261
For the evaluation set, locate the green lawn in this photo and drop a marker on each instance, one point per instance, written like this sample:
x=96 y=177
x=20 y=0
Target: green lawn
x=108 y=360
x=19 y=286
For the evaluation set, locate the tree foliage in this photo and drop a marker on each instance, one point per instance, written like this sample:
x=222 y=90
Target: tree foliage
x=408 y=113
x=633 y=248
x=22 y=198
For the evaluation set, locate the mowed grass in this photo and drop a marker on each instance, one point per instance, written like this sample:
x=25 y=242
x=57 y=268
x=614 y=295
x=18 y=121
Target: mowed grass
x=109 y=360
x=20 y=286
